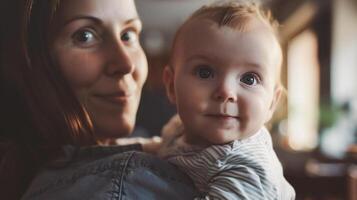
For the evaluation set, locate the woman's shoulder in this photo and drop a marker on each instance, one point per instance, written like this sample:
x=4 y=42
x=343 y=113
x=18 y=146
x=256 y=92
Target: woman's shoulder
x=110 y=173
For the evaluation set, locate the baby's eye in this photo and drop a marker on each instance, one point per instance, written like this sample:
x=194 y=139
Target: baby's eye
x=129 y=36
x=84 y=38
x=250 y=79
x=204 y=72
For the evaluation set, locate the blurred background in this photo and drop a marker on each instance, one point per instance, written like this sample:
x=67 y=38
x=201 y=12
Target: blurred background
x=315 y=127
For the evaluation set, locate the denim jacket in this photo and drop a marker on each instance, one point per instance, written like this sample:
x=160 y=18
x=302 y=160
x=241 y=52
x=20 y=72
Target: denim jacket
x=115 y=172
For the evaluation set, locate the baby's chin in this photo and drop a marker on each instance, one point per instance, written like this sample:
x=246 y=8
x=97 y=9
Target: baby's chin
x=222 y=138
x=227 y=137
x=215 y=137
x=223 y=141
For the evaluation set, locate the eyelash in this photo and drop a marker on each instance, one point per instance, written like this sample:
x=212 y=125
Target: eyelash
x=134 y=32
x=257 y=79
x=79 y=35
x=208 y=69
x=85 y=44
x=210 y=75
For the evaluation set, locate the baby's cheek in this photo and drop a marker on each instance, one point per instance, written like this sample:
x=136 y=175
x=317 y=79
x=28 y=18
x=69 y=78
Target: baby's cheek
x=186 y=101
x=252 y=111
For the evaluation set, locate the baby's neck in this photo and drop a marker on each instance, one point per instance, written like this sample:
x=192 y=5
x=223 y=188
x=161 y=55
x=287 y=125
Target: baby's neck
x=192 y=139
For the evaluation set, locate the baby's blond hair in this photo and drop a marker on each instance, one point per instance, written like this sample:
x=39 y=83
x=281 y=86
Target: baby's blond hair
x=235 y=14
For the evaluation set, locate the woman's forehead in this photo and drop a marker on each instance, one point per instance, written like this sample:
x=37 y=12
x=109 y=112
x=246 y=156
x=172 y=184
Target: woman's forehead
x=107 y=10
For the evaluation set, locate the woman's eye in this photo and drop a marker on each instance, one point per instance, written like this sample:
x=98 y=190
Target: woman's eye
x=250 y=79
x=85 y=38
x=204 y=72
x=129 y=36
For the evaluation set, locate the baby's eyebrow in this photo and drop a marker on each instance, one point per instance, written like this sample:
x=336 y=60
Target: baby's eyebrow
x=211 y=58
x=133 y=20
x=254 y=65
x=202 y=57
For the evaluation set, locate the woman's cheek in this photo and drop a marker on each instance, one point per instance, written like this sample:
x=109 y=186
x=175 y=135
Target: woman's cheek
x=80 y=69
x=141 y=72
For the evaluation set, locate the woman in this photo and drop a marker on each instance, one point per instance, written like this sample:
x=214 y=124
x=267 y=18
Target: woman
x=71 y=77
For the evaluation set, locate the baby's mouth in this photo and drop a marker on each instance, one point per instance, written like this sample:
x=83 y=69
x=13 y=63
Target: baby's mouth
x=223 y=116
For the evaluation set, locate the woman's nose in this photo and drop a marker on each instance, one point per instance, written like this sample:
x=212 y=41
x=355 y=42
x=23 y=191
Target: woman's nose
x=226 y=91
x=120 y=61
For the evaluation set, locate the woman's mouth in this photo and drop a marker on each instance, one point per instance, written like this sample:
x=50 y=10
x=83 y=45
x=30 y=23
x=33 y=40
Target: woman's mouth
x=116 y=97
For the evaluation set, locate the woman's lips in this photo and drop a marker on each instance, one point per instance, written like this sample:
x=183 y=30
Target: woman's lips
x=115 y=98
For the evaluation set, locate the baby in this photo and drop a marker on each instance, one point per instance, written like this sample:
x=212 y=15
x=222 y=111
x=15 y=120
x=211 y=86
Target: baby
x=224 y=78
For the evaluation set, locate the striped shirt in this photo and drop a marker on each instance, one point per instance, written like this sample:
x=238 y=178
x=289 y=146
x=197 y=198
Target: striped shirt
x=242 y=169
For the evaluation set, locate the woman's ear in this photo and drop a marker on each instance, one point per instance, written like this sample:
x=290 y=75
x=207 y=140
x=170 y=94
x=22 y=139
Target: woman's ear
x=168 y=79
x=275 y=101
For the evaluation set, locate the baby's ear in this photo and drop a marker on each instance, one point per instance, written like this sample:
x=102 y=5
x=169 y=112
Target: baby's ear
x=168 y=79
x=275 y=101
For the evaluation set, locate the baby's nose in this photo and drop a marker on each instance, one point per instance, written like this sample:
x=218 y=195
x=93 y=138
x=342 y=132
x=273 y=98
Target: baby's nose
x=226 y=91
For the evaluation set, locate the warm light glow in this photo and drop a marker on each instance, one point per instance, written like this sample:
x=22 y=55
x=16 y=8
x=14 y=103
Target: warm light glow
x=303 y=92
x=344 y=52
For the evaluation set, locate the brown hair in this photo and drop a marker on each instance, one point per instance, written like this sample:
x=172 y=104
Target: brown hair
x=39 y=112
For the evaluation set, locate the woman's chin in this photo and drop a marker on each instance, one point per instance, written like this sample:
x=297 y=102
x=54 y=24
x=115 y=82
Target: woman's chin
x=114 y=130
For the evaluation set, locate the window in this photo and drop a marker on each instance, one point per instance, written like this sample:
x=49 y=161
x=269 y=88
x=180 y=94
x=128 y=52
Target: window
x=303 y=91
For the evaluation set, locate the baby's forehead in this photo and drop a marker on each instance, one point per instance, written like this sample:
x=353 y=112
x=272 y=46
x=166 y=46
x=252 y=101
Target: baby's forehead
x=256 y=43
x=203 y=32
x=203 y=26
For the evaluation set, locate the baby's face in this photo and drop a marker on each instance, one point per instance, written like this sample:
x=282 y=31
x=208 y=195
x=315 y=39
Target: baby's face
x=224 y=80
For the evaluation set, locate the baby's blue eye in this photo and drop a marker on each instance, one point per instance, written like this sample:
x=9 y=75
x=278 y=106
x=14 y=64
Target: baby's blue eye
x=205 y=72
x=250 y=79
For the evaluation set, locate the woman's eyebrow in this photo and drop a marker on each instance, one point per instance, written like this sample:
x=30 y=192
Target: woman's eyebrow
x=85 y=17
x=97 y=20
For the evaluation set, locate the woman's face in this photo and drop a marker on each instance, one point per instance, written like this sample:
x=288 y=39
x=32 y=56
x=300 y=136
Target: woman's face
x=95 y=43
